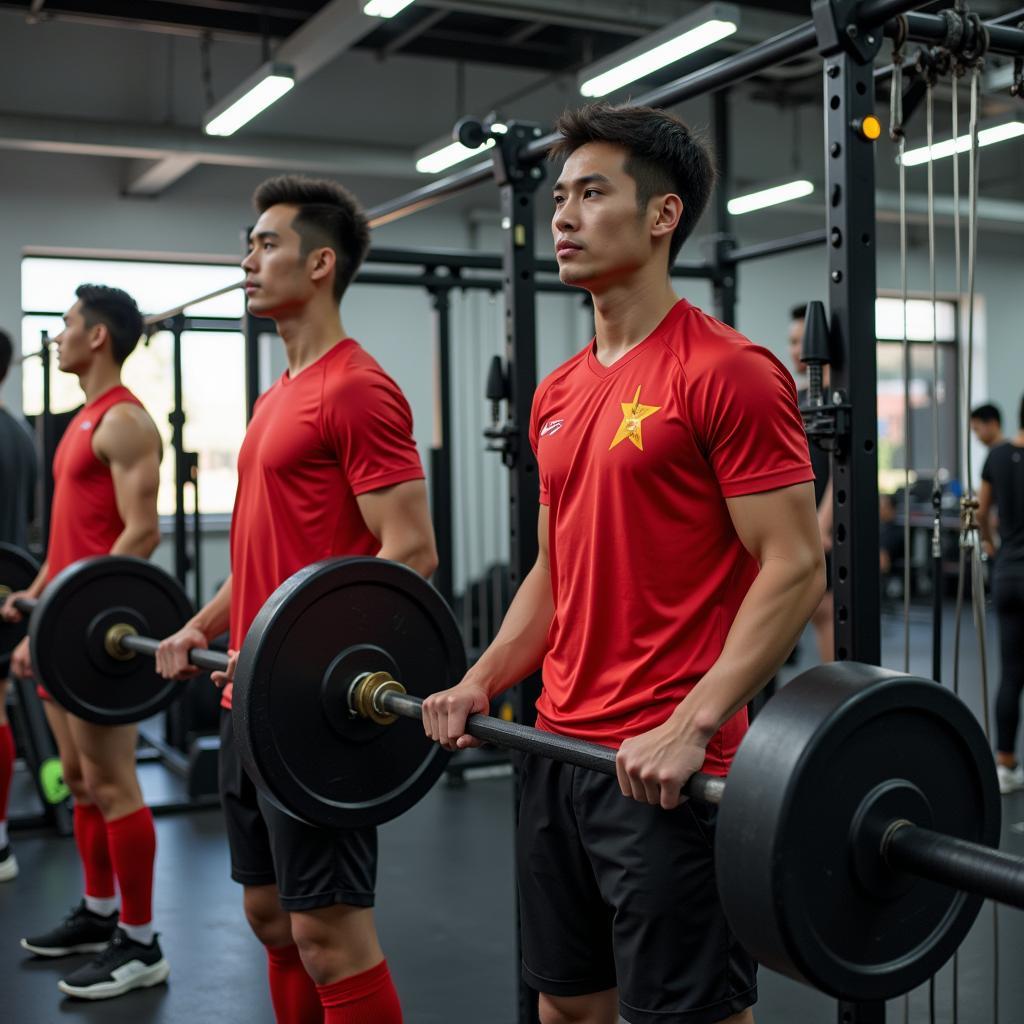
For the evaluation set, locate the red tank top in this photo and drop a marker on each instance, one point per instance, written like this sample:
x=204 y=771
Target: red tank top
x=84 y=519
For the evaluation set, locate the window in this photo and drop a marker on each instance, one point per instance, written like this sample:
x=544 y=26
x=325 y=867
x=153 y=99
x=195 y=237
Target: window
x=927 y=391
x=213 y=359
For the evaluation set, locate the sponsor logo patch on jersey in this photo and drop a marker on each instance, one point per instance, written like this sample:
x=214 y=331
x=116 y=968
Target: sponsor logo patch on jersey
x=551 y=427
x=86 y=424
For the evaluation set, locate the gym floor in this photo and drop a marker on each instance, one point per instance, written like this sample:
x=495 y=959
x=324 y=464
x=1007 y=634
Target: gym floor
x=445 y=912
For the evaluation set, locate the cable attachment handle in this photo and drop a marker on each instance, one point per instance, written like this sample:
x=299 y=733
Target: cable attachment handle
x=968 y=521
x=1017 y=85
x=896 y=94
x=977 y=40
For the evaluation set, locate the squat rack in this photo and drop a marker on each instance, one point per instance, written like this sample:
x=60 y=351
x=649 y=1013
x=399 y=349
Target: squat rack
x=848 y=35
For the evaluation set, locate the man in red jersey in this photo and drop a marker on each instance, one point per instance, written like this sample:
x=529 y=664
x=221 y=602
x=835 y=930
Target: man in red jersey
x=328 y=467
x=106 y=475
x=679 y=560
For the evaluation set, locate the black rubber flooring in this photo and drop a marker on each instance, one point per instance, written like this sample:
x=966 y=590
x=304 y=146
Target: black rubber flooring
x=445 y=914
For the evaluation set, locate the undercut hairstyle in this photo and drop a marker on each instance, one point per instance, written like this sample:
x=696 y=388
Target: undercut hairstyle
x=664 y=156
x=798 y=312
x=117 y=311
x=988 y=413
x=329 y=216
x=6 y=354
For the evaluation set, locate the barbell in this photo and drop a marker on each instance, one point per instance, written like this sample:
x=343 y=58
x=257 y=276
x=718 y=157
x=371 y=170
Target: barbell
x=856 y=829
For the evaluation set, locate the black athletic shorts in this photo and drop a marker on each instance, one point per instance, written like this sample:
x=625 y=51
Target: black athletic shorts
x=311 y=867
x=615 y=893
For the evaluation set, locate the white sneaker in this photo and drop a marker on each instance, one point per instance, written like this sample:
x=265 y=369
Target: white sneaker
x=8 y=864
x=1010 y=779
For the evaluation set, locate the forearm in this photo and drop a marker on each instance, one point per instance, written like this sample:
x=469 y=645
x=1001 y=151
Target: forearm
x=35 y=588
x=985 y=527
x=215 y=616
x=519 y=647
x=139 y=538
x=414 y=550
x=773 y=614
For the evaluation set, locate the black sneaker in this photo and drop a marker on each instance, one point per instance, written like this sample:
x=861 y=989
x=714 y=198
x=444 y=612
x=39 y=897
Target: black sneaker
x=125 y=964
x=81 y=931
x=8 y=864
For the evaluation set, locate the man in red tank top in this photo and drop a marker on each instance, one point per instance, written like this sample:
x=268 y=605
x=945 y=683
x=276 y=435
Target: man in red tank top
x=106 y=475
x=328 y=467
x=679 y=559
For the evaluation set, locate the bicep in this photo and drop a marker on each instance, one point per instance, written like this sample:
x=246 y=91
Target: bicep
x=136 y=485
x=390 y=509
x=131 y=447
x=542 y=536
x=777 y=524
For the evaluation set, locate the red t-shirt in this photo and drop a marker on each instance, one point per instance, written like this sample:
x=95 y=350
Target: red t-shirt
x=84 y=519
x=636 y=461
x=339 y=429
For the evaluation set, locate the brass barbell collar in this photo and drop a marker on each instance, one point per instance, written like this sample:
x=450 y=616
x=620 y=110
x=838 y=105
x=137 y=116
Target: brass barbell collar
x=365 y=693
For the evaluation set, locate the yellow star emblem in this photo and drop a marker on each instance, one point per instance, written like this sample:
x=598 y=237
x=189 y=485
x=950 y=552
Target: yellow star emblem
x=633 y=415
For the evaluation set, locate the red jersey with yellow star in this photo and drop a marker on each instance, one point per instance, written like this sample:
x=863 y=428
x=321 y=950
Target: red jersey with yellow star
x=636 y=461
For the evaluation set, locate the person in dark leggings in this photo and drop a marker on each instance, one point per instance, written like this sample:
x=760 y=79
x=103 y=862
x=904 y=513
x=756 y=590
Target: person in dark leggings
x=1002 y=490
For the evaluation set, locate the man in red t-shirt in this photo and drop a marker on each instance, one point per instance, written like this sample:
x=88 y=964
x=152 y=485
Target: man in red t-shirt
x=679 y=560
x=106 y=475
x=328 y=467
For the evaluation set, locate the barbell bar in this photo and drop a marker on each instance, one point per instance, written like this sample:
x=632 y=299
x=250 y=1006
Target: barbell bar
x=901 y=845
x=121 y=641
x=86 y=631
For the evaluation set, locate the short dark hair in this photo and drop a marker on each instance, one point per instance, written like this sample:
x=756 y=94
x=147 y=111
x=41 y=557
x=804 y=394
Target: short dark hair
x=1020 y=415
x=329 y=215
x=117 y=311
x=798 y=312
x=988 y=413
x=664 y=156
x=6 y=354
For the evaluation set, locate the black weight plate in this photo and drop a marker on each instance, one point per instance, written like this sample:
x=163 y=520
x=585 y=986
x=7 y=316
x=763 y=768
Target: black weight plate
x=791 y=870
x=69 y=625
x=17 y=570
x=318 y=631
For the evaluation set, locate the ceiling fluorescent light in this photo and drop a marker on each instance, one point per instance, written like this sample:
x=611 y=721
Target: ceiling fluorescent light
x=439 y=156
x=385 y=8
x=770 y=197
x=252 y=97
x=995 y=133
x=696 y=31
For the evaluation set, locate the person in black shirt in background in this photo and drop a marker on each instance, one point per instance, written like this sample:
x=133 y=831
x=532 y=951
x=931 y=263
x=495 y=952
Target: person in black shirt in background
x=1002 y=489
x=987 y=425
x=17 y=482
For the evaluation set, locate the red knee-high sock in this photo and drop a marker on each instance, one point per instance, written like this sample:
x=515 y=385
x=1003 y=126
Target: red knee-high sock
x=132 y=851
x=6 y=767
x=292 y=991
x=367 y=998
x=91 y=840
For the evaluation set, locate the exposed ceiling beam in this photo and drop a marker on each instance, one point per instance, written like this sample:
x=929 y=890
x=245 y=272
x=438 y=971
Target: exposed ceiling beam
x=151 y=177
x=413 y=32
x=328 y=34
x=528 y=30
x=602 y=15
x=151 y=142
